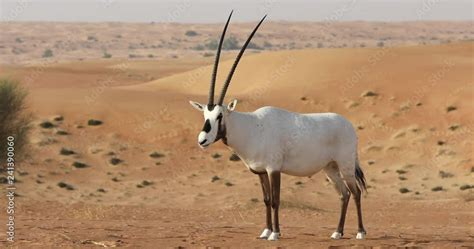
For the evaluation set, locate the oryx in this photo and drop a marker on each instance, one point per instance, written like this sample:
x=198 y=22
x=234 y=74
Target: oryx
x=271 y=141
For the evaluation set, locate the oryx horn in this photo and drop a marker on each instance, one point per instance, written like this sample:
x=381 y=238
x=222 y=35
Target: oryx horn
x=232 y=70
x=216 y=63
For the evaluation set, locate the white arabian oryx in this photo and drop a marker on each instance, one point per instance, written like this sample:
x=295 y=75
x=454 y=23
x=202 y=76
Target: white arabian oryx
x=271 y=141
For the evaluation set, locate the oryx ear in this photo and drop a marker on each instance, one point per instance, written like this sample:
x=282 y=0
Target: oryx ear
x=197 y=105
x=231 y=105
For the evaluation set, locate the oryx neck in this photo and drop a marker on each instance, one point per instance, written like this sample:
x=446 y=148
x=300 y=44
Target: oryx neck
x=239 y=127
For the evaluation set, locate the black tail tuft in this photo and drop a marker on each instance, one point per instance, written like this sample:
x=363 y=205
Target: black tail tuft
x=359 y=174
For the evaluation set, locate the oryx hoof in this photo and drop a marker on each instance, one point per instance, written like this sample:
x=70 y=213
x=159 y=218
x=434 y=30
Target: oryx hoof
x=265 y=234
x=336 y=235
x=274 y=236
x=361 y=235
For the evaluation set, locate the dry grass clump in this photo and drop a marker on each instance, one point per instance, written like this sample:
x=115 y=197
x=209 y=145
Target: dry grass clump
x=15 y=120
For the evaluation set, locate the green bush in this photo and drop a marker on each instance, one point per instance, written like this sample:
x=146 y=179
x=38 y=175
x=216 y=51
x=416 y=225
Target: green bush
x=211 y=45
x=106 y=55
x=48 y=53
x=230 y=43
x=92 y=38
x=191 y=33
x=254 y=46
x=15 y=120
x=267 y=44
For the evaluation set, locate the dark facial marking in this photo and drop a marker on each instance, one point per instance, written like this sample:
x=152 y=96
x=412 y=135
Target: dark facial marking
x=211 y=107
x=221 y=130
x=207 y=126
x=203 y=142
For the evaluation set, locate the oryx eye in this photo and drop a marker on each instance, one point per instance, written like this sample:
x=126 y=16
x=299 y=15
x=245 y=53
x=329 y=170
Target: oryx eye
x=207 y=126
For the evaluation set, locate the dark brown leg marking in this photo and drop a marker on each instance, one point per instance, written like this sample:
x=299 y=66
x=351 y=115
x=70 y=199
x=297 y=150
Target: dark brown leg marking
x=345 y=197
x=265 y=182
x=275 y=178
x=357 y=196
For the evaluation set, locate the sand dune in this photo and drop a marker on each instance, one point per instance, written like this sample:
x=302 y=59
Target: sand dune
x=402 y=70
x=412 y=107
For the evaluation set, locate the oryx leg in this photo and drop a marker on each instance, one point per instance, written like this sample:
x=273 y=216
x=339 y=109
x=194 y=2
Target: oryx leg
x=265 y=182
x=332 y=172
x=275 y=178
x=356 y=193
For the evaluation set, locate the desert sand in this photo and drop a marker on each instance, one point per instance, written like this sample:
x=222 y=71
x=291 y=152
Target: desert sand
x=139 y=179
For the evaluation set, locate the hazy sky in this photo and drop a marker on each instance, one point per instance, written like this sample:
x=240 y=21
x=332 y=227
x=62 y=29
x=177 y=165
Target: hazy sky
x=189 y=11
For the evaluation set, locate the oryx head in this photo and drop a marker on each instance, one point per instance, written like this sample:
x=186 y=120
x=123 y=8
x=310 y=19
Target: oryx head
x=214 y=114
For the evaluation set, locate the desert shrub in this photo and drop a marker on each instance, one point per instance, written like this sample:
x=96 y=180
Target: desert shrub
x=150 y=56
x=15 y=120
x=254 y=46
x=267 y=44
x=107 y=55
x=92 y=38
x=191 y=33
x=404 y=190
x=230 y=43
x=48 y=53
x=320 y=45
x=94 y=122
x=18 y=40
x=156 y=154
x=199 y=47
x=211 y=45
x=79 y=165
x=380 y=44
x=115 y=161
x=66 y=152
x=208 y=54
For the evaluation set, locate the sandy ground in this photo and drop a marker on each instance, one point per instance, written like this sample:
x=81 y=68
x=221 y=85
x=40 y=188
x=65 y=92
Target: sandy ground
x=415 y=133
x=391 y=223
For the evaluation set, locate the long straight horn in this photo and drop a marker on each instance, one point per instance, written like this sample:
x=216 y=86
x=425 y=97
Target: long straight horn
x=232 y=70
x=216 y=63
